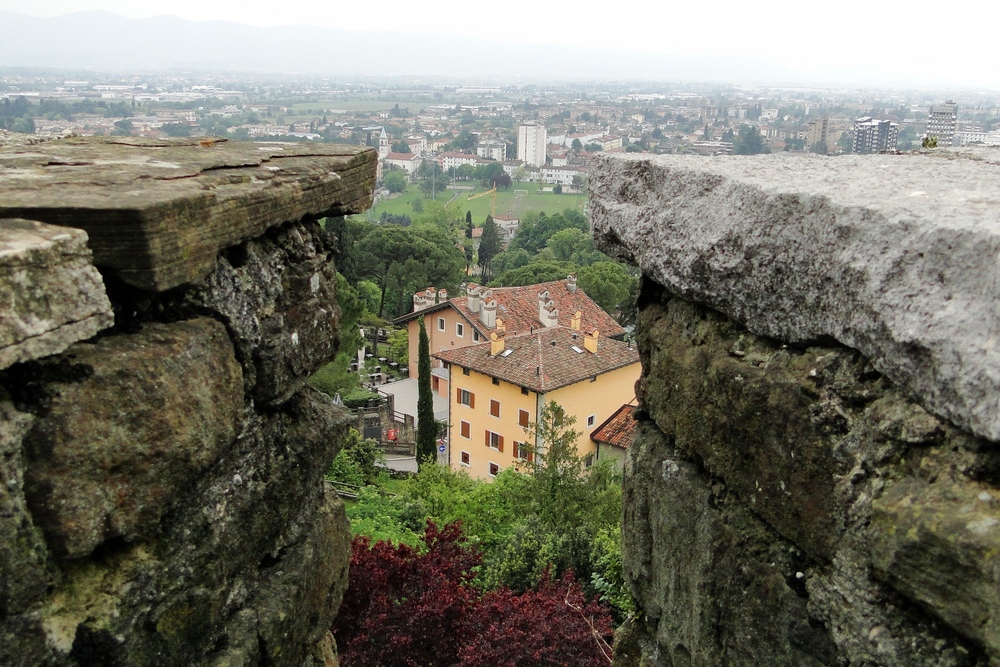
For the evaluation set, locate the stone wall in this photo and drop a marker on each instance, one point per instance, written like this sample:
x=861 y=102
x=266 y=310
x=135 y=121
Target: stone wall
x=815 y=478
x=161 y=456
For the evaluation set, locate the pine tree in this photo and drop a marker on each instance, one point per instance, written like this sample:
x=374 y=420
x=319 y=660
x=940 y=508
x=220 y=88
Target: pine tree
x=426 y=426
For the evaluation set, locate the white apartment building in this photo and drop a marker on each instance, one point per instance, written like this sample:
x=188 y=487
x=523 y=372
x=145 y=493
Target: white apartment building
x=531 y=144
x=492 y=149
x=872 y=135
x=941 y=122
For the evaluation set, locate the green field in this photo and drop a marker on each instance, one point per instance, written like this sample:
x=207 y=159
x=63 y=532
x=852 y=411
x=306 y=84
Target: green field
x=508 y=202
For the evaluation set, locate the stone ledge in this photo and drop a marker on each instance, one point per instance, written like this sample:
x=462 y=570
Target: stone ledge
x=895 y=256
x=158 y=212
x=52 y=296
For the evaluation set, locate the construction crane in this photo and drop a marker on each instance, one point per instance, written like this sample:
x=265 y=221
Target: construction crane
x=493 y=200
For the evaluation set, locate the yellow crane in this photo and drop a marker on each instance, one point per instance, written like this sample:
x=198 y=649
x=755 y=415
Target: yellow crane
x=493 y=200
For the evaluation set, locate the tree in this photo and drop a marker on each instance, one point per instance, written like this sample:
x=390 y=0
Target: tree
x=520 y=173
x=395 y=181
x=468 y=224
x=576 y=145
x=489 y=246
x=608 y=284
x=400 y=146
x=409 y=607
x=751 y=143
x=535 y=272
x=427 y=428
x=557 y=468
x=818 y=147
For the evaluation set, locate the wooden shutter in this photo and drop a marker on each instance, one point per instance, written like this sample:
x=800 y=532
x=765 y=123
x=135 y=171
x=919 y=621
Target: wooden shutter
x=458 y=395
x=500 y=443
x=472 y=400
x=487 y=438
x=522 y=418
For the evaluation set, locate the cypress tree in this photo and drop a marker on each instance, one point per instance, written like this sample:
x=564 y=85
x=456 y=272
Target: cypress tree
x=426 y=426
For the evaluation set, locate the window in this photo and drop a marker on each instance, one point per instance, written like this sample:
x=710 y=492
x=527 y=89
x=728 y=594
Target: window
x=588 y=460
x=593 y=379
x=590 y=420
x=466 y=371
x=494 y=408
x=440 y=324
x=460 y=330
x=494 y=441
x=496 y=381
x=466 y=397
x=465 y=429
x=494 y=470
x=524 y=390
x=525 y=452
x=475 y=335
x=522 y=418
x=466 y=459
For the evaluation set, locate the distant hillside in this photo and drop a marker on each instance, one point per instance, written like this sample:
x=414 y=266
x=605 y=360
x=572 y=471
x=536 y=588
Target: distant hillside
x=98 y=40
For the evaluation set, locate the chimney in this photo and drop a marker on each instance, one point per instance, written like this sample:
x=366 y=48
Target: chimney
x=489 y=319
x=590 y=341
x=496 y=343
x=488 y=313
x=550 y=314
x=442 y=296
x=500 y=325
x=574 y=322
x=473 y=301
x=571 y=283
x=545 y=308
x=418 y=302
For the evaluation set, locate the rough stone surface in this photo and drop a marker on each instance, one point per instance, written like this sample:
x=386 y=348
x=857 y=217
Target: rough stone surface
x=158 y=211
x=214 y=584
x=124 y=425
x=788 y=505
x=25 y=574
x=51 y=296
x=277 y=295
x=894 y=256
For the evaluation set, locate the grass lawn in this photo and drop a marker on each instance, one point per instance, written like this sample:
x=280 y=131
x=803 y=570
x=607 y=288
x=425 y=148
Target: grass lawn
x=508 y=203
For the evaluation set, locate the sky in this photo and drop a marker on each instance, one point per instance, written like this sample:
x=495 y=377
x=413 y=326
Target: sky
x=896 y=38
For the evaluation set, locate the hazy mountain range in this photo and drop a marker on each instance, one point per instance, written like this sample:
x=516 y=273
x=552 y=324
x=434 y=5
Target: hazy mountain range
x=102 y=41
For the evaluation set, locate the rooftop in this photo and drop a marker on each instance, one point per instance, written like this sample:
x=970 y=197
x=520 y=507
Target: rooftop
x=618 y=429
x=544 y=360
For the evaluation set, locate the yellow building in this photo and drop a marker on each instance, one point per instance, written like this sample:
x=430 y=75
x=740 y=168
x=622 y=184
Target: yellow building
x=468 y=320
x=499 y=387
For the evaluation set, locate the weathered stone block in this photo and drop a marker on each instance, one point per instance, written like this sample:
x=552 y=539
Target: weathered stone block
x=51 y=296
x=894 y=256
x=25 y=573
x=750 y=412
x=158 y=212
x=215 y=586
x=125 y=425
x=277 y=294
x=716 y=586
x=936 y=538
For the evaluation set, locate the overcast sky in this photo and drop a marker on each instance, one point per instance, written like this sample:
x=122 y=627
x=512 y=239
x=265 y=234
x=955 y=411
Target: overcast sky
x=959 y=44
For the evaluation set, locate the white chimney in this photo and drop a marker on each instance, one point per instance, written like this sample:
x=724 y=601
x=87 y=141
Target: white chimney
x=488 y=312
x=473 y=300
x=543 y=298
x=550 y=314
x=571 y=283
x=442 y=295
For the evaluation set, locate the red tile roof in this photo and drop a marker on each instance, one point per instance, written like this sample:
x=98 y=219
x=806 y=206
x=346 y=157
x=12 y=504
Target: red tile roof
x=518 y=308
x=544 y=360
x=618 y=429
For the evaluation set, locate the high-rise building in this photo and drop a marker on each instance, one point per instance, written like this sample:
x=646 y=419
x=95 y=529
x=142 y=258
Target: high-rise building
x=819 y=129
x=872 y=135
x=941 y=122
x=531 y=142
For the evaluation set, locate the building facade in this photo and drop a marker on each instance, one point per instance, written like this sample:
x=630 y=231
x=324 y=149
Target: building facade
x=941 y=122
x=499 y=389
x=873 y=136
x=531 y=144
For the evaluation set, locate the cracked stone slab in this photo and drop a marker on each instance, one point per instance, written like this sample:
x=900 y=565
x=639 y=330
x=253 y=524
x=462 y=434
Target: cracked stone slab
x=897 y=256
x=158 y=211
x=51 y=296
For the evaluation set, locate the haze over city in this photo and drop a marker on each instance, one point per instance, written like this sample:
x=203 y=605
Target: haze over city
x=854 y=43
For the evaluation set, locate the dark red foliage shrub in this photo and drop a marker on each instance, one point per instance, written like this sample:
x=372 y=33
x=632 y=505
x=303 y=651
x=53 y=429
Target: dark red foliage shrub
x=404 y=608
